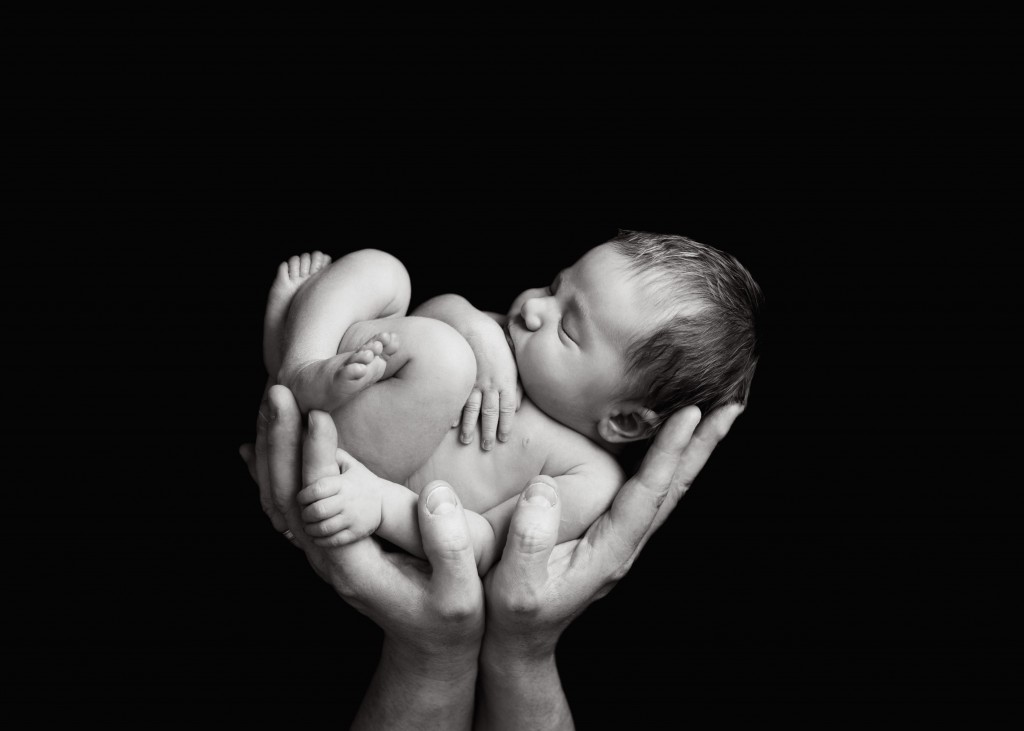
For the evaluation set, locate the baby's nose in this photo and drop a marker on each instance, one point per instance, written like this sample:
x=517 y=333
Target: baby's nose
x=531 y=313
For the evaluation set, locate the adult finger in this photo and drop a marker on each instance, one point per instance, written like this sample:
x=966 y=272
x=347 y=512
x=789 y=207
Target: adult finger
x=470 y=412
x=248 y=453
x=489 y=418
x=711 y=430
x=319 y=448
x=261 y=456
x=284 y=442
x=637 y=503
x=446 y=540
x=532 y=534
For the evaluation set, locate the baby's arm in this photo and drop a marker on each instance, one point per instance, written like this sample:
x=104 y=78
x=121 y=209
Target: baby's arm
x=495 y=396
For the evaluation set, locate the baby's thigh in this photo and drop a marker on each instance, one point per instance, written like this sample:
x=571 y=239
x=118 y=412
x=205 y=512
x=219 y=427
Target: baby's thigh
x=396 y=424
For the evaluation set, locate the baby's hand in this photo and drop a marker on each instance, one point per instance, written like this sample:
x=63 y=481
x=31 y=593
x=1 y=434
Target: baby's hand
x=495 y=397
x=342 y=509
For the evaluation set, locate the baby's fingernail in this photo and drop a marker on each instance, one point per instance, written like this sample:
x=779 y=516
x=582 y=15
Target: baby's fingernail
x=503 y=437
x=540 y=493
x=488 y=443
x=442 y=500
x=466 y=438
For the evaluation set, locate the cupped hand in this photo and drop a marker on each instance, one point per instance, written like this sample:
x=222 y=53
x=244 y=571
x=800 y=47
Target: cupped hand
x=432 y=609
x=538 y=587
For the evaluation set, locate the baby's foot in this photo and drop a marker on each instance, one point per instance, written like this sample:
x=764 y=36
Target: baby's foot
x=290 y=276
x=329 y=383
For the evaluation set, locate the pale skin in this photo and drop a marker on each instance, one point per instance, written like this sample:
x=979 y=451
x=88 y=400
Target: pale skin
x=434 y=619
x=395 y=384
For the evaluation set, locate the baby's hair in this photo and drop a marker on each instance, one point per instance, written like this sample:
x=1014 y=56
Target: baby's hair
x=705 y=350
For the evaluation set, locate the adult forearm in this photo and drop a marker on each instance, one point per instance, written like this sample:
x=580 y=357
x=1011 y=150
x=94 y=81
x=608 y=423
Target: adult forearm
x=413 y=691
x=520 y=693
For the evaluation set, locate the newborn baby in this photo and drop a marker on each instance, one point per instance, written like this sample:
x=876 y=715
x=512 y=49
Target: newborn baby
x=640 y=326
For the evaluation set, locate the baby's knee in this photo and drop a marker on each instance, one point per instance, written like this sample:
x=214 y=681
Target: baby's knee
x=380 y=264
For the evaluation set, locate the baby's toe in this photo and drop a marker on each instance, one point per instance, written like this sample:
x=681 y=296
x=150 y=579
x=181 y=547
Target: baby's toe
x=390 y=343
x=353 y=371
x=364 y=356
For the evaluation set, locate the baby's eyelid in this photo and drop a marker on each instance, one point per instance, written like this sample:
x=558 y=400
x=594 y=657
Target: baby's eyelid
x=562 y=327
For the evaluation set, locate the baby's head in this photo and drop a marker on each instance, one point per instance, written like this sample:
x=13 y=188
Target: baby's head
x=638 y=328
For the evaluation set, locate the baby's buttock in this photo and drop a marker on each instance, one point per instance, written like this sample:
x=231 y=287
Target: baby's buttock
x=481 y=479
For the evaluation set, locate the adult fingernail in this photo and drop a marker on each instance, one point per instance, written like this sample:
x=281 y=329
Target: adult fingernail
x=442 y=500
x=540 y=493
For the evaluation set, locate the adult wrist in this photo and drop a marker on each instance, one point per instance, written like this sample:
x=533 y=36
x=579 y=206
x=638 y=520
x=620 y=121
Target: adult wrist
x=506 y=656
x=432 y=663
x=411 y=690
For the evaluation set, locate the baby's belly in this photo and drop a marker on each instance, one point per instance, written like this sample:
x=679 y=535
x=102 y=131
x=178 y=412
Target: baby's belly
x=480 y=479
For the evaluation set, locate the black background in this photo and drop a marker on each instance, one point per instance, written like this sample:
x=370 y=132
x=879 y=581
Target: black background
x=857 y=536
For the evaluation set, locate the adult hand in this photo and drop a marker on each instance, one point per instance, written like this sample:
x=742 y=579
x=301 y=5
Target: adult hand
x=538 y=587
x=431 y=612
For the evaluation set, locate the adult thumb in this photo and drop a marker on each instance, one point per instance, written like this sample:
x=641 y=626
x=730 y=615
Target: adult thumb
x=445 y=537
x=533 y=532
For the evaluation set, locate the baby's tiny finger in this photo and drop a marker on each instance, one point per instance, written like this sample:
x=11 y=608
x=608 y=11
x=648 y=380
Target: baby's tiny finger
x=470 y=412
x=507 y=411
x=489 y=418
x=327 y=527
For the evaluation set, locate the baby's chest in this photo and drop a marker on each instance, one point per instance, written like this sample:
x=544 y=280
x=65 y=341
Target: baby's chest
x=481 y=479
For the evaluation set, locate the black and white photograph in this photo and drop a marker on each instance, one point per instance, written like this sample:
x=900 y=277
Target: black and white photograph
x=523 y=376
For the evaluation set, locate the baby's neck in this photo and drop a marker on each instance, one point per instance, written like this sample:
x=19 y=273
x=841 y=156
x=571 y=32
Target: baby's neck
x=581 y=426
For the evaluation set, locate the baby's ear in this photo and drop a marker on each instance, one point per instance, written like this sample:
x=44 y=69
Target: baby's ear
x=627 y=422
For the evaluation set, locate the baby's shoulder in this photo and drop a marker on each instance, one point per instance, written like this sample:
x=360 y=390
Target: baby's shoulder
x=566 y=451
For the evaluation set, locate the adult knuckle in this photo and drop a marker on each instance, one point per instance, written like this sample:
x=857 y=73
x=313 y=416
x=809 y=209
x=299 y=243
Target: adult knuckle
x=620 y=573
x=523 y=602
x=457 y=608
x=453 y=546
x=532 y=538
x=657 y=492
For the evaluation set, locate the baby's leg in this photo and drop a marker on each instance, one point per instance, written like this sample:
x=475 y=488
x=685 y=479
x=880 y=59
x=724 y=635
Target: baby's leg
x=396 y=426
x=290 y=276
x=363 y=285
